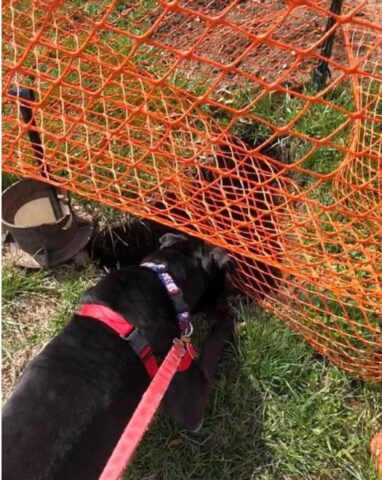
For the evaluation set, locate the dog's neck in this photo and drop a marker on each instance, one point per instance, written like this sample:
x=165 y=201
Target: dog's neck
x=186 y=275
x=175 y=293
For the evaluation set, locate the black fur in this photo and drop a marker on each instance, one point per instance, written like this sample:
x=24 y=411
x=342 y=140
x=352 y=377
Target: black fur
x=74 y=400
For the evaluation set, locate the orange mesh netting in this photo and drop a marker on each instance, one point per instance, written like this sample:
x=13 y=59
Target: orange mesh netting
x=201 y=114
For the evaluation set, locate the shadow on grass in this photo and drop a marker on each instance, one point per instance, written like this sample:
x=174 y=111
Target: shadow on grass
x=230 y=445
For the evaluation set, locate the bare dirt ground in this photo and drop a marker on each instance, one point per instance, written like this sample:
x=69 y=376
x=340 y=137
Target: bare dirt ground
x=286 y=39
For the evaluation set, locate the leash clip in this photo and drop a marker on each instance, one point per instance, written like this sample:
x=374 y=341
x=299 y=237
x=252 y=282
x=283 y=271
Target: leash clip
x=186 y=335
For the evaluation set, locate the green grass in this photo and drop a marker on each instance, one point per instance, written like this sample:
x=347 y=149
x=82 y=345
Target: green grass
x=278 y=411
x=36 y=305
x=17 y=284
x=7 y=179
x=71 y=289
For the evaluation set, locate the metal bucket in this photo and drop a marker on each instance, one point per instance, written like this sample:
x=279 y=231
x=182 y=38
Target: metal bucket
x=29 y=216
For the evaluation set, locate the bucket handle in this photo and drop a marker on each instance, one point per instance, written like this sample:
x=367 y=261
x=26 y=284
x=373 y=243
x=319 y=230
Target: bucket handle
x=26 y=97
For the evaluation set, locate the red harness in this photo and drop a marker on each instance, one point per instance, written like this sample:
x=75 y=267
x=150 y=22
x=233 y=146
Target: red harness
x=129 y=333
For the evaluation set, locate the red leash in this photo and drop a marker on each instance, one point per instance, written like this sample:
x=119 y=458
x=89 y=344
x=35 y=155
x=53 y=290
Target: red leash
x=144 y=413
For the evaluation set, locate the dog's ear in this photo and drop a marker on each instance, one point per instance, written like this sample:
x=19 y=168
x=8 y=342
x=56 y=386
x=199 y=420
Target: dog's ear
x=170 y=239
x=222 y=260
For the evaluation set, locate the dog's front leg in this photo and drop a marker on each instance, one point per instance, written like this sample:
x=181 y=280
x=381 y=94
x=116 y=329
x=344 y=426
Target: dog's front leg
x=189 y=391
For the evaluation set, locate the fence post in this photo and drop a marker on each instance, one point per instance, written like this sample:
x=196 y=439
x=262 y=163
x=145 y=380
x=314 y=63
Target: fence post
x=322 y=71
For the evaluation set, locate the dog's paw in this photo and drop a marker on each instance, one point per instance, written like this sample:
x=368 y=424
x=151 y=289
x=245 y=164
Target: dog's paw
x=198 y=427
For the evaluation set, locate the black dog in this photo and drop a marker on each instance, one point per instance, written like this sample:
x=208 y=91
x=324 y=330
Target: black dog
x=74 y=400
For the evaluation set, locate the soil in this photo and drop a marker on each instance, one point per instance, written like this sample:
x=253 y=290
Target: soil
x=125 y=243
x=272 y=59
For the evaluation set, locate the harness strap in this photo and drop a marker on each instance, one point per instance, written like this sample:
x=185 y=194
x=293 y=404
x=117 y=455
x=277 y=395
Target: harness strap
x=107 y=316
x=130 y=334
x=125 y=330
x=142 y=348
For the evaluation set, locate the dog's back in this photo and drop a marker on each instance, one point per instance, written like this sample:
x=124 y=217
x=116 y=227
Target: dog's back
x=78 y=392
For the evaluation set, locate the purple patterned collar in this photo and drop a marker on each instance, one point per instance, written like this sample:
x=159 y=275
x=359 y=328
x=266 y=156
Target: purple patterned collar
x=175 y=293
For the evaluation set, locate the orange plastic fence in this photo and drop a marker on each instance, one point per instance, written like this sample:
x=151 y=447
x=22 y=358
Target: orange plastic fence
x=201 y=114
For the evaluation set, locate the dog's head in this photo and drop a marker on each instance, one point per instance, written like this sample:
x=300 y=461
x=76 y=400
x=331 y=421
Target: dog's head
x=199 y=269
